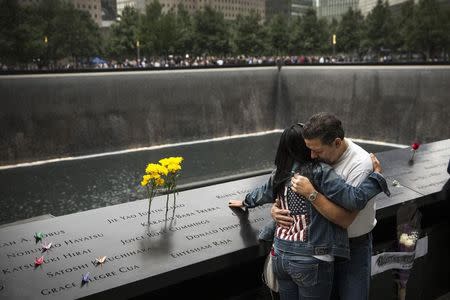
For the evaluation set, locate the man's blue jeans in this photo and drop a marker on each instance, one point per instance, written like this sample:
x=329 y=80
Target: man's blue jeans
x=303 y=277
x=352 y=278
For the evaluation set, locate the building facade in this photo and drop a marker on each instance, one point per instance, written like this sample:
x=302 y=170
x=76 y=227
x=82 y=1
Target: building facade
x=121 y=4
x=330 y=9
x=299 y=7
x=277 y=7
x=93 y=7
x=288 y=8
x=230 y=8
x=109 y=10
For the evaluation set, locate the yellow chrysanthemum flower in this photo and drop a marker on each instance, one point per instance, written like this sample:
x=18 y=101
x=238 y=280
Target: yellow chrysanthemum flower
x=157 y=174
x=154 y=176
x=155 y=170
x=171 y=161
x=164 y=161
x=159 y=182
x=177 y=160
x=145 y=180
x=162 y=170
x=173 y=168
x=152 y=168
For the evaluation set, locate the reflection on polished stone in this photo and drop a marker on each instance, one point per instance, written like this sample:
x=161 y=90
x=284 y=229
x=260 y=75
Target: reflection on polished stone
x=198 y=236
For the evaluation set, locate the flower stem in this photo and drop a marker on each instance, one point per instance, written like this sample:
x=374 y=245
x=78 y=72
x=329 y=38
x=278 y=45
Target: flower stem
x=167 y=202
x=149 y=208
x=412 y=156
x=151 y=193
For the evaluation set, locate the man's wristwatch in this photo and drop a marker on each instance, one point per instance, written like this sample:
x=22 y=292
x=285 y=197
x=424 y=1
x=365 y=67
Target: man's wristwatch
x=312 y=197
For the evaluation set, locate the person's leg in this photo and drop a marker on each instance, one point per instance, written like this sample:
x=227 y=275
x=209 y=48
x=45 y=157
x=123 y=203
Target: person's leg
x=287 y=289
x=303 y=277
x=352 y=278
x=314 y=279
x=335 y=286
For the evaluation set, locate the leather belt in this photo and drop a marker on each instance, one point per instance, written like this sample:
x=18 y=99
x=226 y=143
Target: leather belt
x=360 y=239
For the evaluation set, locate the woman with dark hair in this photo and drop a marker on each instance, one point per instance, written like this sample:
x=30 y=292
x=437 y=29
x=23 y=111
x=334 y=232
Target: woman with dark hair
x=303 y=255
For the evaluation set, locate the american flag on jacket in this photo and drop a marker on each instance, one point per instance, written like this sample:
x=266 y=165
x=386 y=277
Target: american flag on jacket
x=298 y=207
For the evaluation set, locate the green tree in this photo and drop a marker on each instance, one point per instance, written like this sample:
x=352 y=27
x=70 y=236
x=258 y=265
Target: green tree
x=168 y=34
x=312 y=35
x=210 y=32
x=185 y=40
x=248 y=34
x=350 y=32
x=446 y=29
x=10 y=15
x=165 y=34
x=46 y=32
x=124 y=35
x=77 y=35
x=407 y=27
x=332 y=30
x=54 y=28
x=324 y=36
x=21 y=34
x=380 y=29
x=333 y=26
x=150 y=29
x=295 y=36
x=278 y=39
x=431 y=28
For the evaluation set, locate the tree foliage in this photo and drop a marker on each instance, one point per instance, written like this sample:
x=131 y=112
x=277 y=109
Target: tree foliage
x=211 y=33
x=185 y=35
x=248 y=34
x=350 y=32
x=278 y=40
x=380 y=29
x=407 y=26
x=150 y=29
x=124 y=35
x=431 y=31
x=21 y=33
x=52 y=30
x=45 y=32
x=77 y=35
x=309 y=34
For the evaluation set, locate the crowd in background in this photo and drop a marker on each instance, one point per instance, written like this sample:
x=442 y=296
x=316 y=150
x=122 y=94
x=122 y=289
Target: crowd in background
x=176 y=61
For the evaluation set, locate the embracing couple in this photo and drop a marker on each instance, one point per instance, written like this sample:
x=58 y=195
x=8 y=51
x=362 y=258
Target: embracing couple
x=322 y=189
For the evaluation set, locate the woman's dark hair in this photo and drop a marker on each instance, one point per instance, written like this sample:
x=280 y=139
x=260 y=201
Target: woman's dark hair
x=291 y=148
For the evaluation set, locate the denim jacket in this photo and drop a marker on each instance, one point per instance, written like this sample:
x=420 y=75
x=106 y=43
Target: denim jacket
x=320 y=236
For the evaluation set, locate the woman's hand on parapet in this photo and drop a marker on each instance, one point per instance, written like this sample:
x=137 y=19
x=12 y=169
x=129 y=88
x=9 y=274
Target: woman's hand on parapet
x=236 y=203
x=376 y=164
x=281 y=216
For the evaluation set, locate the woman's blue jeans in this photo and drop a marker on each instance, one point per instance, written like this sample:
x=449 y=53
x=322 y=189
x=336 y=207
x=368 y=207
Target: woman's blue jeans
x=303 y=277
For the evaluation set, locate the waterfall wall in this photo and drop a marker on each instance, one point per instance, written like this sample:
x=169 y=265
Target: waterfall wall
x=59 y=115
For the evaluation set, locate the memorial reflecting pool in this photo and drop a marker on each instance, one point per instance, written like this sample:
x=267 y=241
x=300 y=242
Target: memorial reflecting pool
x=70 y=186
